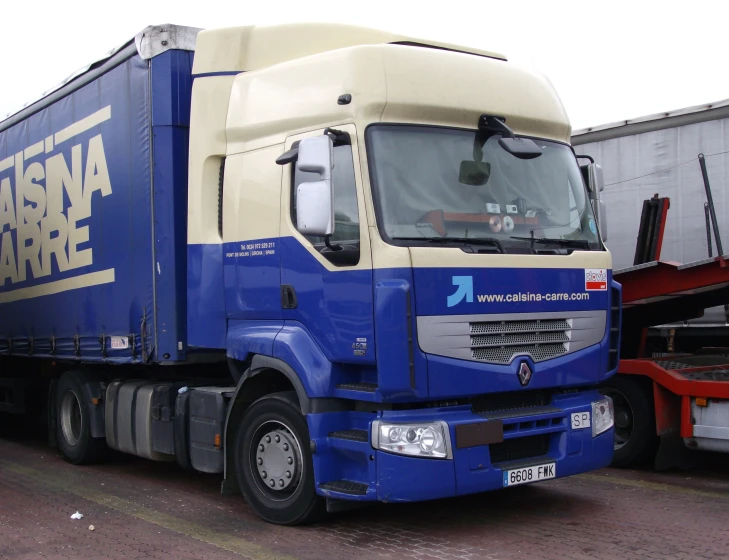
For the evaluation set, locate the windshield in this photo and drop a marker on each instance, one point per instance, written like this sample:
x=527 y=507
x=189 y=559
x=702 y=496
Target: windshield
x=447 y=183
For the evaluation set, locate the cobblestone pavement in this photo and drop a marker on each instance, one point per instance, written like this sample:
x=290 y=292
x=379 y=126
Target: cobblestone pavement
x=142 y=509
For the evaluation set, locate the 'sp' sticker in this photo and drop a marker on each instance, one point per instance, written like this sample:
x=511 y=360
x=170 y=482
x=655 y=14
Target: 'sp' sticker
x=593 y=227
x=595 y=279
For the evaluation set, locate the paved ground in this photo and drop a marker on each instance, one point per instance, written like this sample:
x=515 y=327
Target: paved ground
x=142 y=509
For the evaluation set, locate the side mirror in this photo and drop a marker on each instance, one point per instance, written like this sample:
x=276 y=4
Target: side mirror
x=603 y=222
x=314 y=200
x=592 y=173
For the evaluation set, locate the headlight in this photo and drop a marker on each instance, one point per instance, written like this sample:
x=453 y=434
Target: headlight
x=429 y=439
x=603 y=416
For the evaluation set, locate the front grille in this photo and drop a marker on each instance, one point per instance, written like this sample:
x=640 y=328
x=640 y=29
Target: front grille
x=510 y=401
x=500 y=341
x=519 y=448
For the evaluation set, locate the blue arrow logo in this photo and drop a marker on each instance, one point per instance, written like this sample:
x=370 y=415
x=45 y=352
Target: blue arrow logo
x=465 y=290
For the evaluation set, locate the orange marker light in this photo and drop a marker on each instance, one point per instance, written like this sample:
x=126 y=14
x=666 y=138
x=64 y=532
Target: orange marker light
x=701 y=401
x=217 y=441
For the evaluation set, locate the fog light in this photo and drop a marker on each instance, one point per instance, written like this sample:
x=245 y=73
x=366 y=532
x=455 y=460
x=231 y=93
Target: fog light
x=430 y=439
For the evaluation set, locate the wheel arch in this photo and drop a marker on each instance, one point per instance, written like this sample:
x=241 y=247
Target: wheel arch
x=265 y=375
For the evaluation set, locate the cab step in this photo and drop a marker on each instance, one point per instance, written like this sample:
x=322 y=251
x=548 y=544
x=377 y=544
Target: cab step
x=362 y=387
x=350 y=435
x=346 y=487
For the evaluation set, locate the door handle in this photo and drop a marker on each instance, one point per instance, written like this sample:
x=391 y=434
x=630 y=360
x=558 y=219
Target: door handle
x=288 y=297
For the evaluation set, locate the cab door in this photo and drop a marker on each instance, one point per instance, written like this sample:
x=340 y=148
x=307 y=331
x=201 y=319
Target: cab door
x=327 y=288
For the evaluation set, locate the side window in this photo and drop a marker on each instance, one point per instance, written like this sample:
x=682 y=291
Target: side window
x=344 y=242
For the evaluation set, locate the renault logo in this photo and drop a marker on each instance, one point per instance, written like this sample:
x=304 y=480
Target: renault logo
x=524 y=373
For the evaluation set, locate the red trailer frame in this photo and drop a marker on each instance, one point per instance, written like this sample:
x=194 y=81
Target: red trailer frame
x=657 y=293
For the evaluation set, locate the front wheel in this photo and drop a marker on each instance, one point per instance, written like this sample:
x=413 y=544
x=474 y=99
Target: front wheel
x=273 y=462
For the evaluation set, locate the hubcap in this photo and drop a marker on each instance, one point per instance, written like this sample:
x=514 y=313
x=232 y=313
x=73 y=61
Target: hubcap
x=70 y=418
x=277 y=459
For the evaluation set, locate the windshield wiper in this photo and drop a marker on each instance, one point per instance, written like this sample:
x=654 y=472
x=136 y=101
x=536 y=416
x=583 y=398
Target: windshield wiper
x=481 y=241
x=580 y=243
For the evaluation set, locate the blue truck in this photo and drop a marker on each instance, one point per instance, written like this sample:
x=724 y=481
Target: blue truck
x=333 y=264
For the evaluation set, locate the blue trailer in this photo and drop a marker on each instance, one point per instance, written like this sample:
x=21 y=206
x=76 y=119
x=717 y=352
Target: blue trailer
x=278 y=260
x=94 y=205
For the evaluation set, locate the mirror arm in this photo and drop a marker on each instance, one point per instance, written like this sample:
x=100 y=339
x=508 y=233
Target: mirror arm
x=339 y=137
x=592 y=160
x=330 y=246
x=289 y=156
x=498 y=124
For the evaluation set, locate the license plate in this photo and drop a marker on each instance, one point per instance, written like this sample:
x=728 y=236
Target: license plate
x=580 y=420
x=529 y=474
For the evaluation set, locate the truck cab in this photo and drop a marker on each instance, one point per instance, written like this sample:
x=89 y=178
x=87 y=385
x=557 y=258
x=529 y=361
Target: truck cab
x=394 y=244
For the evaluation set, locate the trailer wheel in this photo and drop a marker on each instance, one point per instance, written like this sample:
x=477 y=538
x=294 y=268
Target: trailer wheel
x=274 y=464
x=636 y=441
x=73 y=423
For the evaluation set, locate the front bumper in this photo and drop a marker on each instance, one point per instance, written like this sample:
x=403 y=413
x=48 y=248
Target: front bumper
x=531 y=437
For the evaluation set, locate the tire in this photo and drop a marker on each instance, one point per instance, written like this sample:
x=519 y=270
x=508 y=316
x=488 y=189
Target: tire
x=294 y=500
x=636 y=441
x=73 y=422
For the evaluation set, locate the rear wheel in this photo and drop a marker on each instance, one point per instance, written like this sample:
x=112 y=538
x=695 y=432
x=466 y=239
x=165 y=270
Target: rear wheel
x=273 y=462
x=636 y=441
x=73 y=422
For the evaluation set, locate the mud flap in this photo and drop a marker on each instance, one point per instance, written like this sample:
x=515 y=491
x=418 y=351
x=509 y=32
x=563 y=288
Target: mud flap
x=95 y=389
x=335 y=506
x=229 y=486
x=672 y=452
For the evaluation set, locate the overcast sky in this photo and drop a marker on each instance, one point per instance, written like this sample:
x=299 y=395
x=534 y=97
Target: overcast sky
x=609 y=60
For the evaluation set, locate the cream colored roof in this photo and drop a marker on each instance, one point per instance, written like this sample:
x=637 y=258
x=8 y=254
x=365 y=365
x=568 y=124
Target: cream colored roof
x=388 y=83
x=256 y=47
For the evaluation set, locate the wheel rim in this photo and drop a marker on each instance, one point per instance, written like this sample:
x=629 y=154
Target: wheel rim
x=623 y=418
x=71 y=418
x=276 y=461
